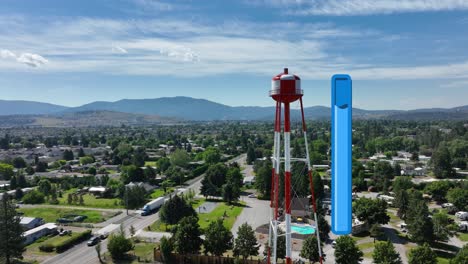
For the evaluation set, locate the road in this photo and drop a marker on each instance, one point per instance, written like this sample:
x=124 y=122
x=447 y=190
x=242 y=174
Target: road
x=81 y=253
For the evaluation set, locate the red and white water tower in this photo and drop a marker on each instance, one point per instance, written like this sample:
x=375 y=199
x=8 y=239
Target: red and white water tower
x=286 y=89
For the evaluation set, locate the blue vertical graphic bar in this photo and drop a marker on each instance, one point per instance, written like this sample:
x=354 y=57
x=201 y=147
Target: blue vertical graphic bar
x=341 y=108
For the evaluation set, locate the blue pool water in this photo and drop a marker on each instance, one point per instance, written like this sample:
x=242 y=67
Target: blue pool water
x=303 y=230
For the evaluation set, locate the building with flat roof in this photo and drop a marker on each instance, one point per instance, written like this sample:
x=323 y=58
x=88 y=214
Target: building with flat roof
x=38 y=232
x=31 y=222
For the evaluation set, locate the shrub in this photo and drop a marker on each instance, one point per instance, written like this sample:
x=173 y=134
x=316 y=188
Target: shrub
x=46 y=248
x=33 y=197
x=72 y=241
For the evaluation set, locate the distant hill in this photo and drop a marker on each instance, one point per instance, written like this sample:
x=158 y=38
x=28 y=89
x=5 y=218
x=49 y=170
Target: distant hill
x=191 y=109
x=28 y=108
x=83 y=119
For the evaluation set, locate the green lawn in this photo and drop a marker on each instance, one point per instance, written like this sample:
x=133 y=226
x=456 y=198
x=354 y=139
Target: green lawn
x=52 y=214
x=54 y=241
x=92 y=201
x=150 y=163
x=142 y=253
x=159 y=226
x=160 y=192
x=463 y=237
x=231 y=211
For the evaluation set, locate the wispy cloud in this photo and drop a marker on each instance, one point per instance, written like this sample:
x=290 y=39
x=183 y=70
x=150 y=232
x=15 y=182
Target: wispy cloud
x=6 y=54
x=33 y=60
x=118 y=49
x=170 y=47
x=363 y=7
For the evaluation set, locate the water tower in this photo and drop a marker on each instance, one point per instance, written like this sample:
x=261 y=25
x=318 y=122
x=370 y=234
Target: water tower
x=286 y=89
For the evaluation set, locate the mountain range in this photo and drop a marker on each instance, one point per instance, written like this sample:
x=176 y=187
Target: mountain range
x=169 y=109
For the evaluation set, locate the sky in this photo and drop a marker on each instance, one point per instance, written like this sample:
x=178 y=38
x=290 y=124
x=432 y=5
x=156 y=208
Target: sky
x=404 y=54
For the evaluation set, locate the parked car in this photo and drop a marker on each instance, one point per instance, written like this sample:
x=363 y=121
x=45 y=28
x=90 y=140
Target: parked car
x=93 y=241
x=103 y=236
x=333 y=244
x=80 y=218
x=65 y=232
x=447 y=205
x=252 y=196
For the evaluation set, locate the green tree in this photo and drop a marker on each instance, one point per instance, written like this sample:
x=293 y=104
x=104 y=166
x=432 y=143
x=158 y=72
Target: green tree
x=163 y=164
x=441 y=226
x=461 y=257
x=346 y=251
x=22 y=181
x=215 y=178
x=419 y=223
x=41 y=166
x=218 y=239
x=459 y=198
x=385 y=253
x=263 y=178
x=167 y=246
x=438 y=189
x=250 y=155
x=310 y=249
x=13 y=183
x=119 y=245
x=33 y=197
x=402 y=202
x=375 y=231
x=6 y=171
x=324 y=227
x=422 y=255
x=180 y=158
x=442 y=162
x=11 y=232
x=68 y=155
x=211 y=155
x=45 y=187
x=372 y=211
x=188 y=230
x=86 y=160
x=134 y=197
x=175 y=209
x=245 y=244
x=19 y=163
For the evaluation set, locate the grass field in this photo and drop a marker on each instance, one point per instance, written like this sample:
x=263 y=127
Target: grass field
x=232 y=213
x=92 y=201
x=463 y=237
x=150 y=163
x=142 y=253
x=160 y=192
x=52 y=214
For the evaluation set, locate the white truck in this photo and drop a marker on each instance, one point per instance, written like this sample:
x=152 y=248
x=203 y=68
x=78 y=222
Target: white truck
x=152 y=206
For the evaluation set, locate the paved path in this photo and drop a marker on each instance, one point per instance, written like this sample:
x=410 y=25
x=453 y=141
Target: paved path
x=256 y=213
x=399 y=243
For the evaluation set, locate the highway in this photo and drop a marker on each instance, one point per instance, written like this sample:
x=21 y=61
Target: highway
x=82 y=254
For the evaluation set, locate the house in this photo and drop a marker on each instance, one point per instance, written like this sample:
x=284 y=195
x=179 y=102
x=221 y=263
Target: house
x=146 y=186
x=38 y=232
x=31 y=222
x=98 y=191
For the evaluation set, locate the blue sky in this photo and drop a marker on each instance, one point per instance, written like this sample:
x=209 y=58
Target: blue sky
x=403 y=54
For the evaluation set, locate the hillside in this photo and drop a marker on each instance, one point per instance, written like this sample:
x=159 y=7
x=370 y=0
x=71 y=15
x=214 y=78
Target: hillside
x=28 y=108
x=133 y=111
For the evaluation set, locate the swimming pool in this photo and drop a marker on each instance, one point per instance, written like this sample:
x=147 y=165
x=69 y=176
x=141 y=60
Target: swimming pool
x=302 y=229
